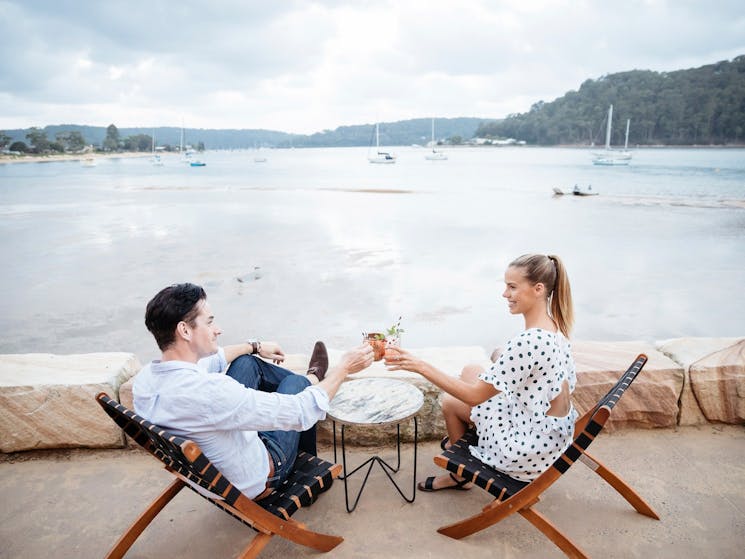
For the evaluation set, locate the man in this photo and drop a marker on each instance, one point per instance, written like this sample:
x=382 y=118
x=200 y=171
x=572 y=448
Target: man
x=251 y=421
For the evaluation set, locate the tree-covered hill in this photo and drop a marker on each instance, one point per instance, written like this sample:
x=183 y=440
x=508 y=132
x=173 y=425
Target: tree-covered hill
x=703 y=105
x=406 y=132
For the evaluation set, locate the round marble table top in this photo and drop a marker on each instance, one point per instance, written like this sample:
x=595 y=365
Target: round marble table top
x=374 y=401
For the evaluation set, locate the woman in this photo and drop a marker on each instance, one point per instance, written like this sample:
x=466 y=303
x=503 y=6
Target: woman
x=521 y=405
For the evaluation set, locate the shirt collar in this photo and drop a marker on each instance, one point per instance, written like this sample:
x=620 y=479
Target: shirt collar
x=158 y=366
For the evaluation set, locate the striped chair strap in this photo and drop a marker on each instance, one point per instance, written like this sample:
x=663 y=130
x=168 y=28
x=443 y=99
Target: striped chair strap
x=169 y=449
x=600 y=415
x=311 y=475
x=615 y=393
x=462 y=463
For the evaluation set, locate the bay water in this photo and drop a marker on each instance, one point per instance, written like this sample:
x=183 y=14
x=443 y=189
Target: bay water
x=319 y=244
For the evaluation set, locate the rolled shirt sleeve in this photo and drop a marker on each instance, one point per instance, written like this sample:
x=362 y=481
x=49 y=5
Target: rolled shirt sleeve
x=253 y=410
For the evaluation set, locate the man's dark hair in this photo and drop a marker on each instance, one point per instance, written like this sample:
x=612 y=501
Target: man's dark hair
x=169 y=307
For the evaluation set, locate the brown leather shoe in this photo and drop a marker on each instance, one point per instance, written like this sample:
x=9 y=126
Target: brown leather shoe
x=319 y=361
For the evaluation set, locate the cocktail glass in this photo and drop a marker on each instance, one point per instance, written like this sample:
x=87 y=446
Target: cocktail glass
x=378 y=342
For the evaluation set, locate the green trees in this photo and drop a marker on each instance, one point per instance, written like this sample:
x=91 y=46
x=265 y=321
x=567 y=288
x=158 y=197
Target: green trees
x=703 y=105
x=38 y=140
x=71 y=141
x=4 y=140
x=56 y=147
x=111 y=143
x=137 y=142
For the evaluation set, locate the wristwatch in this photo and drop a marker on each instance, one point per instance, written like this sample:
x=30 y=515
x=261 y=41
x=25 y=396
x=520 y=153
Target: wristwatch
x=255 y=346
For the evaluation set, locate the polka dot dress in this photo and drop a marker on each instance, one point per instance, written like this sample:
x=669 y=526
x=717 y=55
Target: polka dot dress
x=515 y=434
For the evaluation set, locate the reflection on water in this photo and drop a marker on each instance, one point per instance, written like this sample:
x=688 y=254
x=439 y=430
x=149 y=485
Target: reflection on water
x=343 y=245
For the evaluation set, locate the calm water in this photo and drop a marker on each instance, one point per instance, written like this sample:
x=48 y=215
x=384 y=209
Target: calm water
x=329 y=245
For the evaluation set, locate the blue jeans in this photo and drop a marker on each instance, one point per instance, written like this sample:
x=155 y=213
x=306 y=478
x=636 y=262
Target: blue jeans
x=283 y=446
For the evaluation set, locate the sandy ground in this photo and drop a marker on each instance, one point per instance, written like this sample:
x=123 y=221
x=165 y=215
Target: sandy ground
x=77 y=503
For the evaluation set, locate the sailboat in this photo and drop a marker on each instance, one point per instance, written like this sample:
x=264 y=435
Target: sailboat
x=435 y=155
x=380 y=156
x=610 y=156
x=155 y=157
x=186 y=156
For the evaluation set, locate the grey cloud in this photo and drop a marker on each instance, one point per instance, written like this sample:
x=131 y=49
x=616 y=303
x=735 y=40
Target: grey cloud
x=116 y=32
x=224 y=45
x=178 y=54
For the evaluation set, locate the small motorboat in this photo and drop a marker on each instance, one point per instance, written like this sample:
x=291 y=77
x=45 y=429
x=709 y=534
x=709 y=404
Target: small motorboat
x=577 y=191
x=197 y=164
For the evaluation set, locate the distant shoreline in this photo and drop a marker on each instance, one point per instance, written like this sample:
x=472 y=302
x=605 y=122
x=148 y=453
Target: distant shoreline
x=69 y=157
x=654 y=146
x=33 y=158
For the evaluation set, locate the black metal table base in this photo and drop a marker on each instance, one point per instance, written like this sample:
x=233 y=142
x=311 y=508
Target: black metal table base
x=370 y=462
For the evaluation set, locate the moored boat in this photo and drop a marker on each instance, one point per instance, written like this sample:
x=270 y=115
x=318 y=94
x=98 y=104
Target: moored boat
x=435 y=155
x=579 y=191
x=609 y=156
x=380 y=156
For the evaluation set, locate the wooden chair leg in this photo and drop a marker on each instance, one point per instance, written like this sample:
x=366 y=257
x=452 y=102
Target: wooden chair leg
x=309 y=538
x=491 y=514
x=130 y=536
x=255 y=547
x=552 y=533
x=265 y=522
x=619 y=485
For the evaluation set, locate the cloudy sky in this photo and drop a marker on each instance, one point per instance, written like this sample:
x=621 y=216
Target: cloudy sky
x=305 y=66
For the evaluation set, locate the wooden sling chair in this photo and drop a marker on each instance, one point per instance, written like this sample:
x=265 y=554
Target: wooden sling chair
x=184 y=459
x=516 y=496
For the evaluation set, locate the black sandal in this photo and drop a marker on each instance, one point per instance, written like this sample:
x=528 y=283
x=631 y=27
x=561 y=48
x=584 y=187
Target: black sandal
x=428 y=485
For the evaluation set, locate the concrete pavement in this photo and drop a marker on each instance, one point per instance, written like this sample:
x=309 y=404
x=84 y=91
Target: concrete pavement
x=75 y=504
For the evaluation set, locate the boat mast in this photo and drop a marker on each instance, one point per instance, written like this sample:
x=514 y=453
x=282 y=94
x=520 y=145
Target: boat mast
x=626 y=143
x=608 y=127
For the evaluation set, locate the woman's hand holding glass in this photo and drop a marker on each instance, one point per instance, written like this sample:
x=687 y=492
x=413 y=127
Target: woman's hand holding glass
x=398 y=359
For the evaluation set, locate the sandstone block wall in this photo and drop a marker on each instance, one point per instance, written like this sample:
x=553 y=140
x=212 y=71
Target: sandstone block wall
x=651 y=401
x=714 y=385
x=47 y=401
x=718 y=382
